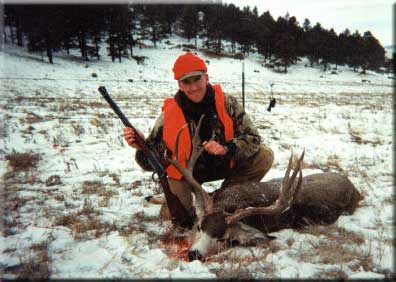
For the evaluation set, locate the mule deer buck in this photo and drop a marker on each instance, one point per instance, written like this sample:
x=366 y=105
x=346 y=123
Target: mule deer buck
x=244 y=213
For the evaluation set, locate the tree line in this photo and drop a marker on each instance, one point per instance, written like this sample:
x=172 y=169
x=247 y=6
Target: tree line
x=281 y=42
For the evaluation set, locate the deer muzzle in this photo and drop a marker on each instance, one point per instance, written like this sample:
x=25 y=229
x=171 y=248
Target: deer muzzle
x=194 y=255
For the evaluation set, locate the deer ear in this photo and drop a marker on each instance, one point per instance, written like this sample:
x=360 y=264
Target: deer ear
x=199 y=206
x=246 y=235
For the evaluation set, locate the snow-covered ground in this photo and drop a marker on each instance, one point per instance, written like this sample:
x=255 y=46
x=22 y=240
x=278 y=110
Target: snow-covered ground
x=96 y=223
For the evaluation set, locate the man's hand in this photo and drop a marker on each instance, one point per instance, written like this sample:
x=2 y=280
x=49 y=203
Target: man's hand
x=129 y=136
x=214 y=148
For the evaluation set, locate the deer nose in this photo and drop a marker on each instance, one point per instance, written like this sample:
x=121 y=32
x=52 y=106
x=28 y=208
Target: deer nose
x=193 y=255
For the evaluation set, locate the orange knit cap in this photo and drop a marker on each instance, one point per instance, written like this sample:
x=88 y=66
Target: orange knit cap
x=188 y=63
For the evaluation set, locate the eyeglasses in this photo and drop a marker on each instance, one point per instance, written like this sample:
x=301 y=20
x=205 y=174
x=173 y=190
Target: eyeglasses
x=191 y=79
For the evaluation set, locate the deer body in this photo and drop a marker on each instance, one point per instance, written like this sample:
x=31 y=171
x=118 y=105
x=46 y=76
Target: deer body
x=323 y=197
x=246 y=212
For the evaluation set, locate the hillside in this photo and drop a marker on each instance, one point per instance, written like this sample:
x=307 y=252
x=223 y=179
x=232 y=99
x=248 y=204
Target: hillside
x=74 y=202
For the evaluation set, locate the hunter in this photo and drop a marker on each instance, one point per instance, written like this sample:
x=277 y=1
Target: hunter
x=232 y=145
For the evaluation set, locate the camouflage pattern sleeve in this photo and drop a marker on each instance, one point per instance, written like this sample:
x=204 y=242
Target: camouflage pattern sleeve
x=154 y=141
x=247 y=138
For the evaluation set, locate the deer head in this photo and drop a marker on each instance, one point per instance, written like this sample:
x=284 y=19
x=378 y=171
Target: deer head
x=213 y=226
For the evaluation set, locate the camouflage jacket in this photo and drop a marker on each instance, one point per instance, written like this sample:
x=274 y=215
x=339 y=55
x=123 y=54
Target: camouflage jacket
x=246 y=141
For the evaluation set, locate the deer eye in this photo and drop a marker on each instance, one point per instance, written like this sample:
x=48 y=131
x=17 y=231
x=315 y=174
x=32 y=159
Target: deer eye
x=199 y=228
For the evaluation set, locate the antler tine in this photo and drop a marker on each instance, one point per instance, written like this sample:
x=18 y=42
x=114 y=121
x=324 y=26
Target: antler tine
x=285 y=181
x=298 y=186
x=197 y=148
x=176 y=149
x=286 y=196
x=295 y=172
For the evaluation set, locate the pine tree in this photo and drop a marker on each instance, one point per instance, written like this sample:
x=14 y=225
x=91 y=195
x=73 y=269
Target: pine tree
x=356 y=58
x=232 y=18
x=213 y=18
x=285 y=44
x=248 y=30
x=154 y=24
x=328 y=48
x=314 y=43
x=265 y=38
x=344 y=47
x=373 y=53
x=130 y=28
x=119 y=35
x=171 y=13
x=42 y=24
x=189 y=22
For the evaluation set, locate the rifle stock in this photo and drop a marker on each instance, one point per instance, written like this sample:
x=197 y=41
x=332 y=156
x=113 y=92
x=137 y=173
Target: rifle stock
x=177 y=211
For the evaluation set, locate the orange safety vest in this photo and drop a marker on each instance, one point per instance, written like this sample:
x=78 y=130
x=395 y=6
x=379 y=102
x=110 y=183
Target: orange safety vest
x=174 y=119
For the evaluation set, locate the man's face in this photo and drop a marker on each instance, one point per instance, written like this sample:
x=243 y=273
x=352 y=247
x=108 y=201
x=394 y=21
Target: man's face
x=194 y=87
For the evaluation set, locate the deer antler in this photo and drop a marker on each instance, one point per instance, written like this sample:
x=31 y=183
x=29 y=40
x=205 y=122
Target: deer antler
x=187 y=173
x=285 y=199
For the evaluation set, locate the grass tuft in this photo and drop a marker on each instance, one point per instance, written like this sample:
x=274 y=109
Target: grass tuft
x=22 y=161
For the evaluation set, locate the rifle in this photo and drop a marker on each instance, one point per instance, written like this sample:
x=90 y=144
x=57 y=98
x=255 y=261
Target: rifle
x=177 y=211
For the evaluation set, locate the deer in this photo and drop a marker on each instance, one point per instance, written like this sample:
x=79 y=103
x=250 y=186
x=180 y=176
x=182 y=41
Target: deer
x=246 y=213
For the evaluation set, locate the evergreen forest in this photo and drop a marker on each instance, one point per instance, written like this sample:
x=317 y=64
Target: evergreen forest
x=222 y=28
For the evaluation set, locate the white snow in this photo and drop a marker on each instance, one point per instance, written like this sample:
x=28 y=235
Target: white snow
x=78 y=137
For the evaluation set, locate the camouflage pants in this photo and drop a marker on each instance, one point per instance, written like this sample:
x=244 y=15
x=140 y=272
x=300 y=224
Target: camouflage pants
x=253 y=169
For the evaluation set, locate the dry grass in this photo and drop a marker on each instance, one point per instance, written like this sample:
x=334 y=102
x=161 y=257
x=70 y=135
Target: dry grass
x=390 y=200
x=334 y=233
x=107 y=194
x=97 y=188
x=77 y=128
x=323 y=251
x=336 y=274
x=135 y=185
x=91 y=187
x=98 y=123
x=338 y=248
x=34 y=264
x=130 y=229
x=355 y=135
x=84 y=223
x=333 y=163
x=241 y=267
x=22 y=161
x=137 y=224
x=286 y=146
x=53 y=180
x=32 y=117
x=115 y=177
